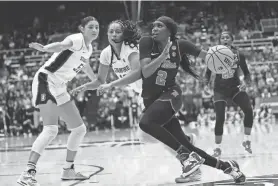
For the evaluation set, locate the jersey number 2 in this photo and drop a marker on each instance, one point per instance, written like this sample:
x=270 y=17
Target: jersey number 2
x=161 y=78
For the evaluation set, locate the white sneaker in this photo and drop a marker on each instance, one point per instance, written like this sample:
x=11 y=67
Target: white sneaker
x=27 y=178
x=190 y=163
x=70 y=174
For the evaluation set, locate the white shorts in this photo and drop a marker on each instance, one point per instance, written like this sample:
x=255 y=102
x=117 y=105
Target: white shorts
x=44 y=89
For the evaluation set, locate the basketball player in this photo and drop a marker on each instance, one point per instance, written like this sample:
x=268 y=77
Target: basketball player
x=160 y=57
x=51 y=97
x=228 y=86
x=122 y=55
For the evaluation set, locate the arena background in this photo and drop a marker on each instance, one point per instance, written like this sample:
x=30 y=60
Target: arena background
x=111 y=153
x=254 y=25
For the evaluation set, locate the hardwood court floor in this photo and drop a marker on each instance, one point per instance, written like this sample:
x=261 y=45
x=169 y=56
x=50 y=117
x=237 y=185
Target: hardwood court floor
x=118 y=158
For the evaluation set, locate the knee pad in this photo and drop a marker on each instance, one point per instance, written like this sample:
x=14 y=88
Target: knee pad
x=48 y=133
x=75 y=138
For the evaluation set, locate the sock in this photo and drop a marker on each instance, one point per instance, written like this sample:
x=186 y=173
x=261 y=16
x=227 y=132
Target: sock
x=246 y=137
x=30 y=165
x=218 y=145
x=218 y=139
x=247 y=130
x=182 y=150
x=222 y=165
x=68 y=164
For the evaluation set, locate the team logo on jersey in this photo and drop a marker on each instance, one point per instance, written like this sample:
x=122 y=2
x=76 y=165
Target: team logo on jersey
x=43 y=97
x=175 y=93
x=168 y=64
x=79 y=68
x=174 y=48
x=122 y=70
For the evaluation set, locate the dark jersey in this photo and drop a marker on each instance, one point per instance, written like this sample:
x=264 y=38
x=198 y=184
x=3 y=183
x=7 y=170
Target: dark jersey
x=231 y=80
x=165 y=76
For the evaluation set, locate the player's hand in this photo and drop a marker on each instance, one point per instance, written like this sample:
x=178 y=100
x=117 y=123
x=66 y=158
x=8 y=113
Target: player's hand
x=242 y=86
x=78 y=90
x=247 y=80
x=167 y=48
x=37 y=46
x=207 y=88
x=102 y=88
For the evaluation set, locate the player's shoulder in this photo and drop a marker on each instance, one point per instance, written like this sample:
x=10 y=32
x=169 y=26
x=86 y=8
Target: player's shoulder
x=184 y=43
x=76 y=36
x=236 y=50
x=106 y=50
x=129 y=48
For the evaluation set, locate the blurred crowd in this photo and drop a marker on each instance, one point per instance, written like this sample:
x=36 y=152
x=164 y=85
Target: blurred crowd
x=120 y=108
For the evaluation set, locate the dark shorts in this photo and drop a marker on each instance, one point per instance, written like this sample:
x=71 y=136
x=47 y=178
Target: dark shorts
x=225 y=94
x=172 y=95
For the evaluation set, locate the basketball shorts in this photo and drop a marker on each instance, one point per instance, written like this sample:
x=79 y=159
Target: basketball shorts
x=44 y=89
x=225 y=94
x=172 y=94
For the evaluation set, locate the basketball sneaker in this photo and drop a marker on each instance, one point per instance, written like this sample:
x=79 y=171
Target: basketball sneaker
x=70 y=174
x=27 y=178
x=217 y=152
x=195 y=176
x=247 y=146
x=234 y=171
x=190 y=164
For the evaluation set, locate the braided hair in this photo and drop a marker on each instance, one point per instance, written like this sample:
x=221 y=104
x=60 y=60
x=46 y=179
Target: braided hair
x=131 y=35
x=130 y=32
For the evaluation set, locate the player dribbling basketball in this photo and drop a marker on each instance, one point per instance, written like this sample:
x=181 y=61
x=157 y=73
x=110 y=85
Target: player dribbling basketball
x=160 y=57
x=228 y=86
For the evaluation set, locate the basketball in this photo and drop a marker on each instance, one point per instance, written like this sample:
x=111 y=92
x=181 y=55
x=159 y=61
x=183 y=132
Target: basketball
x=219 y=59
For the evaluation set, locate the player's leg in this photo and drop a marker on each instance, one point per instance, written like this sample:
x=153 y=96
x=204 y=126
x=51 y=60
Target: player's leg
x=243 y=101
x=219 y=108
x=152 y=122
x=188 y=154
x=49 y=113
x=70 y=114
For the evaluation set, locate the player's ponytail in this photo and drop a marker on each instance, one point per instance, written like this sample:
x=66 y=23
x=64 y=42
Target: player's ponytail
x=187 y=67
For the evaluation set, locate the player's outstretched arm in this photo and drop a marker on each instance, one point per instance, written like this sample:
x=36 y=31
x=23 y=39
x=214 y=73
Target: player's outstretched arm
x=87 y=69
x=101 y=79
x=129 y=78
x=53 y=47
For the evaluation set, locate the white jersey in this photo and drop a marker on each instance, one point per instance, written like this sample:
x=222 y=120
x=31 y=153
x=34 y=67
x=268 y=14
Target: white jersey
x=63 y=66
x=121 y=66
